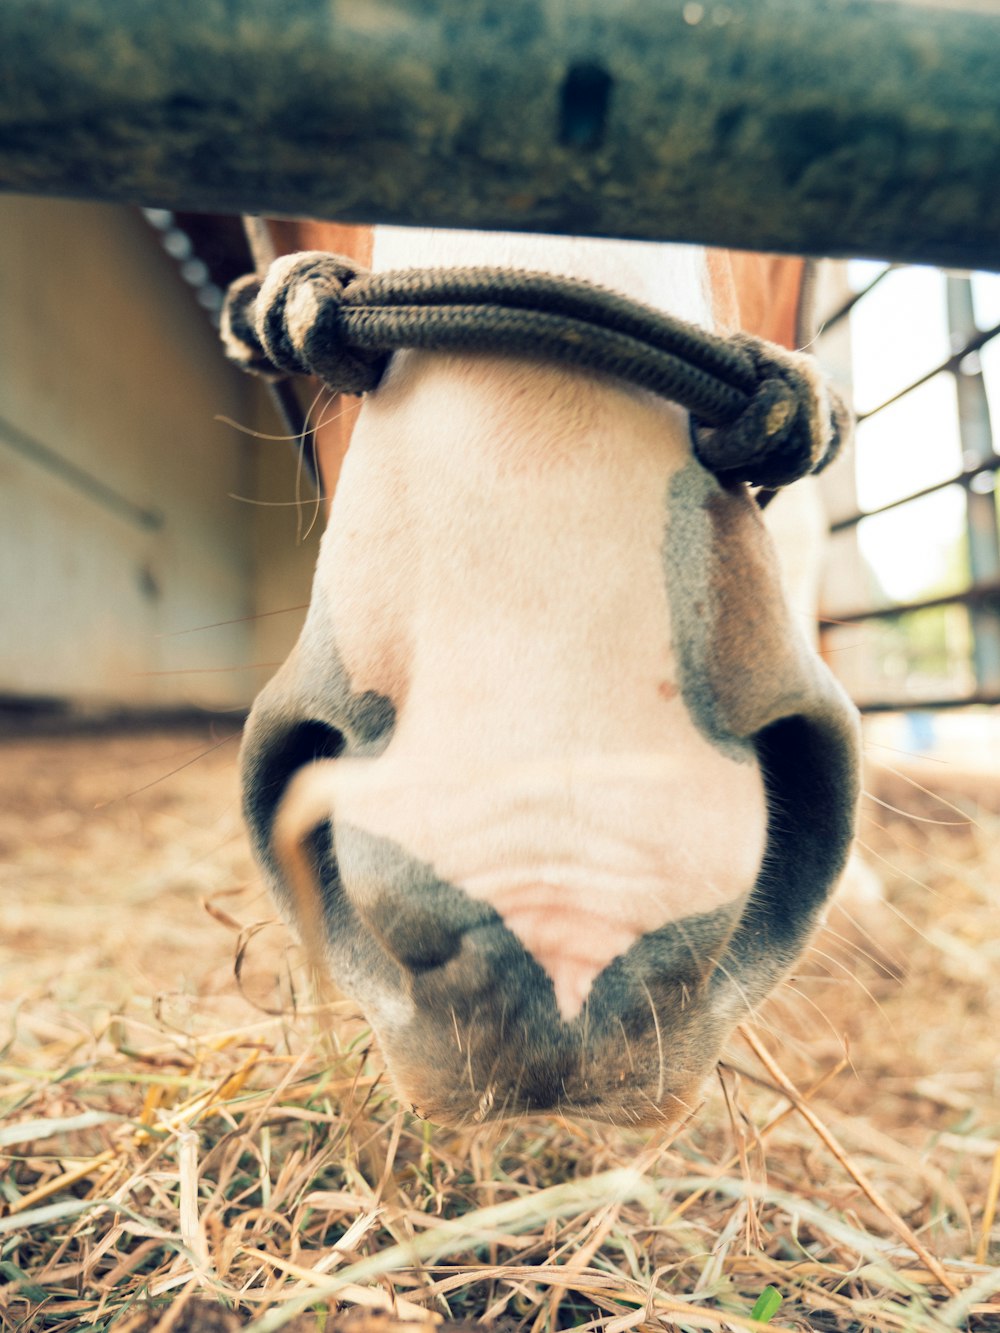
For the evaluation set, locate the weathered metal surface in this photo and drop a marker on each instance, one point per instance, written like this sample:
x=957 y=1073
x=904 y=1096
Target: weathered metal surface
x=851 y=126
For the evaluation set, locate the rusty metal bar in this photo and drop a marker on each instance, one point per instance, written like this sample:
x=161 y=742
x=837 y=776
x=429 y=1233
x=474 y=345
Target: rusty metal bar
x=928 y=705
x=951 y=364
x=847 y=127
x=978 y=594
x=964 y=478
x=841 y=313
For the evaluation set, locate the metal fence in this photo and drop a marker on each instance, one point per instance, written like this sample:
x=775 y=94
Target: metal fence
x=947 y=641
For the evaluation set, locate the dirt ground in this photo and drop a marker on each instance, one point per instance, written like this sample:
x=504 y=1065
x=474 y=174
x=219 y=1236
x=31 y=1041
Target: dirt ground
x=126 y=876
x=128 y=892
x=113 y=850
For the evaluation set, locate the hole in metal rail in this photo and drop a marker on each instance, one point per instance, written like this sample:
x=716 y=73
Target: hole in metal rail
x=583 y=105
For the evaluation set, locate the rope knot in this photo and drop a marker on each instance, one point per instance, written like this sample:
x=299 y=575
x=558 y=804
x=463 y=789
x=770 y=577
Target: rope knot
x=759 y=413
x=291 y=324
x=793 y=424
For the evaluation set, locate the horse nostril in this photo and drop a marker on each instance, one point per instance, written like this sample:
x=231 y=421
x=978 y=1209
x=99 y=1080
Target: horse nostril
x=422 y=941
x=270 y=761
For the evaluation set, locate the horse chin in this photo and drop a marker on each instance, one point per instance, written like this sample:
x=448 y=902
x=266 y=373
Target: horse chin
x=623 y=1109
x=616 y=1094
x=469 y=1022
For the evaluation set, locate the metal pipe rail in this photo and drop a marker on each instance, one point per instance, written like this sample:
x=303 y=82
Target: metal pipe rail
x=981 y=597
x=843 y=311
x=977 y=594
x=952 y=363
x=979 y=699
x=841 y=127
x=964 y=478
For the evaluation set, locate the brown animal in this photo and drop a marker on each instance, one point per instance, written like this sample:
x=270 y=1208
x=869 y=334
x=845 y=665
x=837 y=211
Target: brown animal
x=583 y=785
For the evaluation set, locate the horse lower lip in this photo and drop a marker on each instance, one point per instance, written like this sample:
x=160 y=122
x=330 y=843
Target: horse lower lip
x=479 y=1037
x=619 y=1101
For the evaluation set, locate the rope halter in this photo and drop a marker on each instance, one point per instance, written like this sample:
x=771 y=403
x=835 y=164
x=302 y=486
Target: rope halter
x=759 y=414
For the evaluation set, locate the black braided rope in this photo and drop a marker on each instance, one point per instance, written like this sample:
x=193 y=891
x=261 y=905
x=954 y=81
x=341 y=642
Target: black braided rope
x=755 y=413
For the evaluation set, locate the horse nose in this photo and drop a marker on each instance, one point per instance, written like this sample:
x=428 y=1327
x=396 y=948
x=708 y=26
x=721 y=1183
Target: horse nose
x=470 y=1022
x=567 y=934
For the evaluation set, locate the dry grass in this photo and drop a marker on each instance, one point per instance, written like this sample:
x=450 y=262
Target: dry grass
x=173 y=1138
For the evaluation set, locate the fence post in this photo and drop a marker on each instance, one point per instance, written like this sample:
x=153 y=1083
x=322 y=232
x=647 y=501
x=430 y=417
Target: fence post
x=842 y=127
x=976 y=437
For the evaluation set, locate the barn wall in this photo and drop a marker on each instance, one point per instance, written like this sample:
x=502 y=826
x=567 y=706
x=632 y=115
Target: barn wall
x=117 y=529
x=286 y=545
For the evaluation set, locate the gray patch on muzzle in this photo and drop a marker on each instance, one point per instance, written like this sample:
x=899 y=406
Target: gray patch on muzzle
x=688 y=553
x=751 y=684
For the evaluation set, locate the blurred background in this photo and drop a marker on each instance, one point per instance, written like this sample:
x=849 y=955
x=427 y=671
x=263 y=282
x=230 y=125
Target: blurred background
x=911 y=603
x=157 y=545
x=131 y=516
